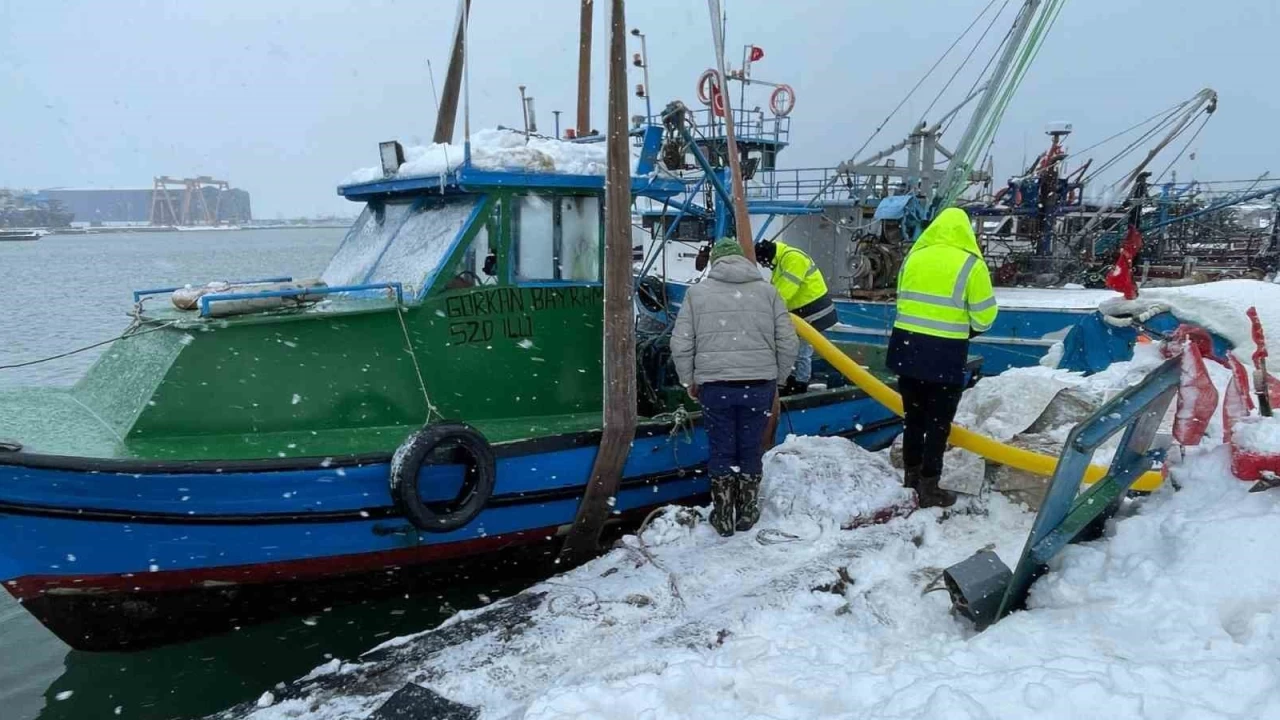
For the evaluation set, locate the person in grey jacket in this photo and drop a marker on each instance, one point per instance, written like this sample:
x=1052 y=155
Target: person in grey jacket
x=732 y=345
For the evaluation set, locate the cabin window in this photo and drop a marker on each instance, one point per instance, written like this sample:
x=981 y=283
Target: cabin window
x=423 y=242
x=478 y=264
x=556 y=238
x=364 y=242
x=402 y=241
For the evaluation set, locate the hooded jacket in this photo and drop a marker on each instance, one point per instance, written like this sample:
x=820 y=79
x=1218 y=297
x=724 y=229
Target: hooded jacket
x=944 y=297
x=733 y=326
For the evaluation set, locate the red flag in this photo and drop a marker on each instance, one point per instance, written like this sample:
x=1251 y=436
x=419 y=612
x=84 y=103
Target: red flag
x=756 y=53
x=1197 y=398
x=717 y=101
x=1237 y=403
x=1120 y=278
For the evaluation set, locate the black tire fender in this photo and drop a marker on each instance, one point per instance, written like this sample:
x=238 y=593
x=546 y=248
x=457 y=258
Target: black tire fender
x=477 y=488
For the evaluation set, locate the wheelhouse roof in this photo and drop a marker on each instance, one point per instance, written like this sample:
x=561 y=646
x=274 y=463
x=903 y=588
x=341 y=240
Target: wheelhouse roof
x=469 y=179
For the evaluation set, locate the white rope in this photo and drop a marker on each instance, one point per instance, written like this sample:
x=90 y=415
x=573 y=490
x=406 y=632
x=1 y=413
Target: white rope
x=408 y=344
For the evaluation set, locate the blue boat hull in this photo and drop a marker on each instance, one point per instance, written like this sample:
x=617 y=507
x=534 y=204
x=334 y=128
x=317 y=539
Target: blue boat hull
x=1020 y=337
x=123 y=554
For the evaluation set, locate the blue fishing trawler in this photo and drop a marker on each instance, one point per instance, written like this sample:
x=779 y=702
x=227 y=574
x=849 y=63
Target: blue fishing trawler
x=251 y=448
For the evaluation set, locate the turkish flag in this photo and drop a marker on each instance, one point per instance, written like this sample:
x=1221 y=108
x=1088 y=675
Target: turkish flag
x=756 y=53
x=1120 y=278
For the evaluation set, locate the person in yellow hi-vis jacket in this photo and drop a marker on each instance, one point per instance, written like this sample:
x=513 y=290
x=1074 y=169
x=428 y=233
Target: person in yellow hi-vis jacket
x=944 y=299
x=803 y=289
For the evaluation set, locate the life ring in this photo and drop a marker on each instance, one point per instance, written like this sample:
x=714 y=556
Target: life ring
x=708 y=86
x=477 y=488
x=782 y=101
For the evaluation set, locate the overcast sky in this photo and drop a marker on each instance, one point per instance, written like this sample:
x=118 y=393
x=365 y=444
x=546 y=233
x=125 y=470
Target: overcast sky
x=284 y=98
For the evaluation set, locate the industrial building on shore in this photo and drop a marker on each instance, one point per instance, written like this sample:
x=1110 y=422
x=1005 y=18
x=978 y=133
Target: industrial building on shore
x=169 y=202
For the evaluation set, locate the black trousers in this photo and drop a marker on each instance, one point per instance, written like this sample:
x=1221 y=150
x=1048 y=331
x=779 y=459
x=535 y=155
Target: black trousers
x=930 y=408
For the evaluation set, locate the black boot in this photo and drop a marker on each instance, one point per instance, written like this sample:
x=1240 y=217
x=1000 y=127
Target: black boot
x=911 y=478
x=748 y=501
x=723 y=498
x=793 y=387
x=933 y=496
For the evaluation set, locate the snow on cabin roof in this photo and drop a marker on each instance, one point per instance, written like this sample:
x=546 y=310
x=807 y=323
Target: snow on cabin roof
x=495 y=149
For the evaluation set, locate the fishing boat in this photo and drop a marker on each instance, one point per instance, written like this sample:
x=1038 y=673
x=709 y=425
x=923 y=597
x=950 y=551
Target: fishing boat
x=858 y=218
x=11 y=234
x=434 y=395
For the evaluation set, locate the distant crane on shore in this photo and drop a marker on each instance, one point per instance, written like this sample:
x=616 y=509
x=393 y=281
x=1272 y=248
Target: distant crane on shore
x=165 y=212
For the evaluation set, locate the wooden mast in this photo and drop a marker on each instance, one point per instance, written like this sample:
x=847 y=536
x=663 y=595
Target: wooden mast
x=619 y=349
x=448 y=110
x=584 y=68
x=741 y=219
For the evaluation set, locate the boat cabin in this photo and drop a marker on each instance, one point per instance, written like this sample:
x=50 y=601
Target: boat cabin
x=474 y=295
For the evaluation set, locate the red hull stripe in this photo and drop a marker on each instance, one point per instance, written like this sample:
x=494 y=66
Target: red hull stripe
x=31 y=586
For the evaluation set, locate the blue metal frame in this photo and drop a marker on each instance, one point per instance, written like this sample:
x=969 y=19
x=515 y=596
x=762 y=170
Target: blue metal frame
x=666 y=238
x=649 y=148
x=139 y=294
x=303 y=293
x=1063 y=517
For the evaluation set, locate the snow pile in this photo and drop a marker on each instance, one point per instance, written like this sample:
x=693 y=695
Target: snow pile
x=1006 y=405
x=1257 y=434
x=830 y=478
x=1175 y=613
x=1217 y=306
x=496 y=149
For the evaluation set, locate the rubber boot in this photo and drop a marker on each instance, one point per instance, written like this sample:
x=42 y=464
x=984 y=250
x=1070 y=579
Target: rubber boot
x=723 y=497
x=748 y=501
x=933 y=496
x=911 y=478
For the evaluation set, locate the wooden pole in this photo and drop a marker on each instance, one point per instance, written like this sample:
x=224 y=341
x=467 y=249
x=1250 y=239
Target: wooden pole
x=448 y=110
x=619 y=349
x=584 y=69
x=741 y=220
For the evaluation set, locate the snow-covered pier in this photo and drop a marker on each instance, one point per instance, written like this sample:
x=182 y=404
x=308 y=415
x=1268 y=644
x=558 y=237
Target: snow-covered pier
x=833 y=606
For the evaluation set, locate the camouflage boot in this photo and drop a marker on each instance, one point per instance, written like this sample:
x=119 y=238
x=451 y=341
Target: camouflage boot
x=748 y=501
x=723 y=496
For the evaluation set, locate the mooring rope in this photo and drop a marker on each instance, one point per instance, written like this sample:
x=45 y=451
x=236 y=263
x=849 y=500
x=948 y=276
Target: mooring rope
x=129 y=333
x=413 y=355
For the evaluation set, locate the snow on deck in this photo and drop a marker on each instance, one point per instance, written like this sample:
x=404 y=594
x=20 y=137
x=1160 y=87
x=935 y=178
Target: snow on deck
x=494 y=149
x=1217 y=306
x=1175 y=613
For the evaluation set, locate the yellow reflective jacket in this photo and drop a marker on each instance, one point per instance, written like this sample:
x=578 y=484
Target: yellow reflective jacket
x=944 y=289
x=797 y=277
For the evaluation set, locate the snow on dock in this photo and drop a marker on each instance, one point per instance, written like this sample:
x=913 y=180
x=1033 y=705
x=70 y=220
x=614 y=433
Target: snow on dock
x=831 y=607
x=1175 y=613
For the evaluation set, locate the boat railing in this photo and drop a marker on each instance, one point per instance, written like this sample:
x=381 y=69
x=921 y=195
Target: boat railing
x=300 y=294
x=749 y=126
x=804 y=184
x=139 y=294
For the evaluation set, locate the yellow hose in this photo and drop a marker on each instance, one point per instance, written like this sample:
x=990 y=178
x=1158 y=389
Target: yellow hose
x=989 y=448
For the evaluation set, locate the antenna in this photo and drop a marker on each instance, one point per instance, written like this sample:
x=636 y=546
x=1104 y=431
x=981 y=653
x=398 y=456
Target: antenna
x=432 y=76
x=524 y=108
x=466 y=89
